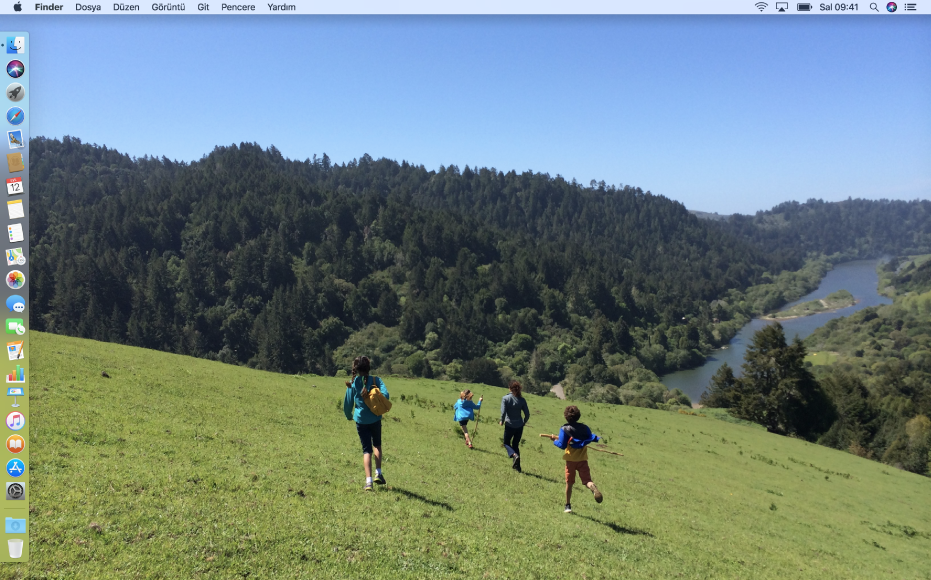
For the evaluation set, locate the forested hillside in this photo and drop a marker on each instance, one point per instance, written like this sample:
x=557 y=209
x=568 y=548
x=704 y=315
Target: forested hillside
x=247 y=257
x=857 y=228
x=881 y=382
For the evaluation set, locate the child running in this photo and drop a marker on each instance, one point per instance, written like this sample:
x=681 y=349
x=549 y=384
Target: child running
x=465 y=412
x=368 y=424
x=573 y=438
x=514 y=416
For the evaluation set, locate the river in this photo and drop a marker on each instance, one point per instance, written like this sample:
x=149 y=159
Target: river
x=858 y=277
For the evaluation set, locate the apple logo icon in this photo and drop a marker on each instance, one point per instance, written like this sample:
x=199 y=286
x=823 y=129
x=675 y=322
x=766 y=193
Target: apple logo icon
x=18 y=7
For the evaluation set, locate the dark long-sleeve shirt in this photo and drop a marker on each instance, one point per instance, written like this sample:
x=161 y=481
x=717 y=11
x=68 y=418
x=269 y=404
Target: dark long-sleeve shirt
x=514 y=411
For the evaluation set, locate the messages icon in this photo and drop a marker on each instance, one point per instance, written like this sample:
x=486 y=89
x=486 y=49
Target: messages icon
x=16 y=303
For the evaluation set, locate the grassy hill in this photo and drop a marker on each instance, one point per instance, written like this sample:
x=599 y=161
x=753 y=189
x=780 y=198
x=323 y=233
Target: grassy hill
x=176 y=467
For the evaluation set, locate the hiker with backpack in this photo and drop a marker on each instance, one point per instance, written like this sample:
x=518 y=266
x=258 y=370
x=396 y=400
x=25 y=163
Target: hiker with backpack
x=365 y=401
x=574 y=438
x=465 y=412
x=514 y=416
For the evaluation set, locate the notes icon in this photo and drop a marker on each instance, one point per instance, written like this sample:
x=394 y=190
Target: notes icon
x=15 y=208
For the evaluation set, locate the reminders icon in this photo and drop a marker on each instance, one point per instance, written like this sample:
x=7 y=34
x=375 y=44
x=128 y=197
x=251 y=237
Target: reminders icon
x=16 y=232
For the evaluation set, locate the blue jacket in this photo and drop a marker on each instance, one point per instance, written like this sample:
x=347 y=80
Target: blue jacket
x=465 y=409
x=576 y=435
x=355 y=408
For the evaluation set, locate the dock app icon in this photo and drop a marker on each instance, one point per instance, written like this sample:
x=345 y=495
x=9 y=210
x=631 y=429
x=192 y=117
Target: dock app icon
x=15 y=257
x=15 y=526
x=16 y=209
x=15 y=491
x=15 y=350
x=14 y=186
x=16 y=233
x=15 y=44
x=15 y=139
x=15 y=444
x=15 y=326
x=15 y=162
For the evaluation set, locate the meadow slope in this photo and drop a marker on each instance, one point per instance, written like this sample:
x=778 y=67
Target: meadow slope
x=176 y=467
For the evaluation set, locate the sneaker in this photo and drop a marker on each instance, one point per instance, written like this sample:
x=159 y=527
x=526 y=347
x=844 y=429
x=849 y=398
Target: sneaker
x=380 y=479
x=568 y=509
x=368 y=487
x=598 y=497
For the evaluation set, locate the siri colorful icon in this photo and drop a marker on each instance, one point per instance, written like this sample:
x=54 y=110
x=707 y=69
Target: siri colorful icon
x=891 y=7
x=15 y=68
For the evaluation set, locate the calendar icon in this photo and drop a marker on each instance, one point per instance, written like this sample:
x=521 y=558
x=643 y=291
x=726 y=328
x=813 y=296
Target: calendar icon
x=14 y=185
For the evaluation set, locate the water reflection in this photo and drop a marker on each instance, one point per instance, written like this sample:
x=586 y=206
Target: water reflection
x=858 y=277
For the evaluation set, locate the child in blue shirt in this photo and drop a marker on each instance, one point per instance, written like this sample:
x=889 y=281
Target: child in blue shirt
x=465 y=412
x=573 y=438
x=368 y=424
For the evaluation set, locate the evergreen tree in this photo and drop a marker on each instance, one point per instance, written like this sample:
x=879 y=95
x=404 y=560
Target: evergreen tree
x=775 y=389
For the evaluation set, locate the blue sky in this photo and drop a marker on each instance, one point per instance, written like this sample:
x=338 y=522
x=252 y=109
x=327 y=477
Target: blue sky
x=723 y=114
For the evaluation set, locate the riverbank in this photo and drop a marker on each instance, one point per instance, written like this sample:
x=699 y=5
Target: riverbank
x=859 y=278
x=832 y=303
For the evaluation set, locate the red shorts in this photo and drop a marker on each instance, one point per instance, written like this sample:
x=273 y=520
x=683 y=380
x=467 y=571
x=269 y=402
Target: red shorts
x=582 y=468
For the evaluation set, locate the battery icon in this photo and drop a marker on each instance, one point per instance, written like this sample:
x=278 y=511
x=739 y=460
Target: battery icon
x=804 y=7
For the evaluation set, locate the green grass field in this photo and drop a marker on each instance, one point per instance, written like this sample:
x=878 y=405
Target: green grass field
x=822 y=358
x=183 y=468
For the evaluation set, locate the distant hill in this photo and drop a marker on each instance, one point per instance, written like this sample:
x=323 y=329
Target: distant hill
x=858 y=228
x=176 y=467
x=704 y=215
x=250 y=258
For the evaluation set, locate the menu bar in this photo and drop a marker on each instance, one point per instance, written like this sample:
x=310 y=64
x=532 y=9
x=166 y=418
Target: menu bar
x=720 y=7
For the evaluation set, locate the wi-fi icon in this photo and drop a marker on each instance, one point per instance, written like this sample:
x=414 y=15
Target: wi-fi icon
x=761 y=5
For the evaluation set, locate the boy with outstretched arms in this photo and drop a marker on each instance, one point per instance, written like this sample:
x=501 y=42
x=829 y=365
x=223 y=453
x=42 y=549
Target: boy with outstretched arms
x=573 y=438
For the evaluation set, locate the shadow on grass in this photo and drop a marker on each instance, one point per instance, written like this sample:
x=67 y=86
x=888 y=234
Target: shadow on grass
x=542 y=477
x=485 y=451
x=616 y=527
x=426 y=500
